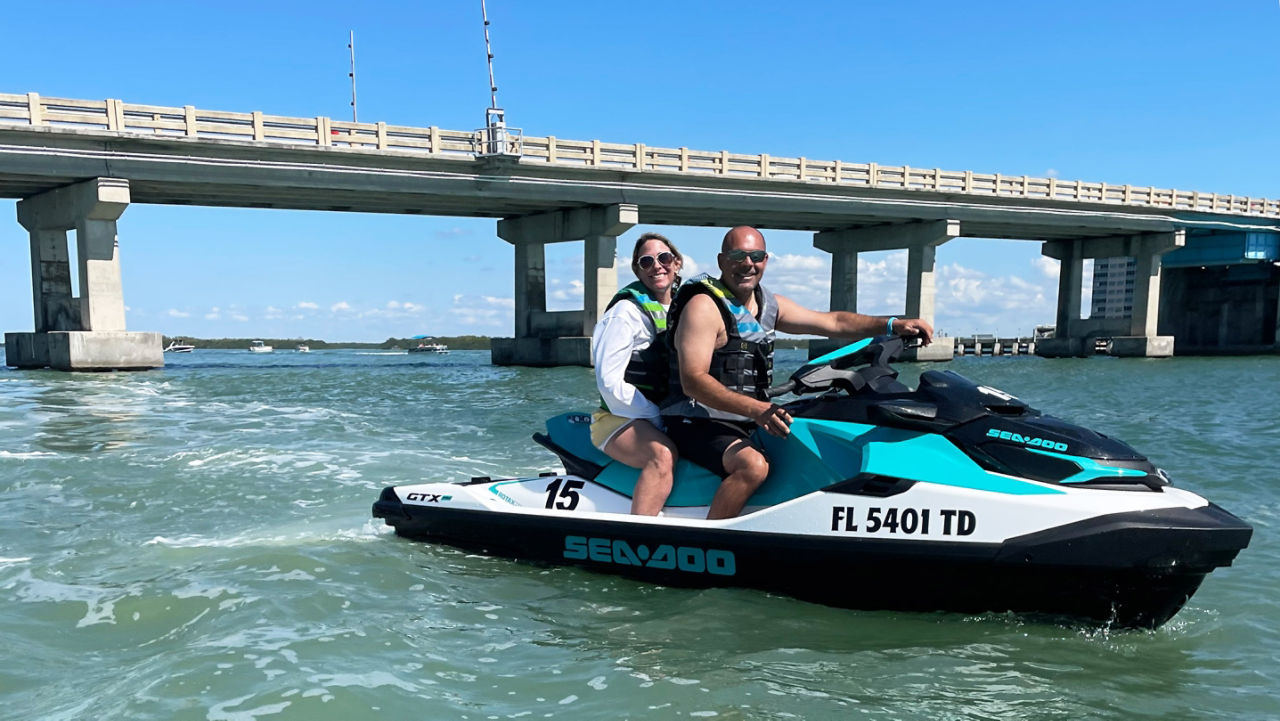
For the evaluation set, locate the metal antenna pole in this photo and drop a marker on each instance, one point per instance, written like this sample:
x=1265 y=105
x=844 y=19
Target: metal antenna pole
x=495 y=138
x=493 y=87
x=352 y=46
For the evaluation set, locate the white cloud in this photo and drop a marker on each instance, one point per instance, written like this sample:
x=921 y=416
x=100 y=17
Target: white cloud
x=1023 y=284
x=394 y=309
x=565 y=293
x=1048 y=267
x=483 y=314
x=795 y=261
x=340 y=306
x=970 y=301
x=307 y=305
x=240 y=317
x=690 y=268
x=962 y=291
x=175 y=313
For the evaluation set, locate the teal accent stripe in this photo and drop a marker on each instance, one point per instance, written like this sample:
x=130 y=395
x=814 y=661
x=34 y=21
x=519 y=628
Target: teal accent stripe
x=925 y=457
x=839 y=353
x=1090 y=470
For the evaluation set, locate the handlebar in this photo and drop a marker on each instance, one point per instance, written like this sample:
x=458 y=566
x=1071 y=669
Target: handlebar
x=783 y=389
x=834 y=370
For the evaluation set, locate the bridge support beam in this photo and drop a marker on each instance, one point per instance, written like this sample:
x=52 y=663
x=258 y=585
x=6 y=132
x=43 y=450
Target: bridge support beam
x=545 y=338
x=85 y=332
x=920 y=239
x=1132 y=336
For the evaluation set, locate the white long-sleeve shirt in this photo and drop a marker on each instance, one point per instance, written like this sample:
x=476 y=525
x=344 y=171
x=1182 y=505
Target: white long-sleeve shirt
x=623 y=329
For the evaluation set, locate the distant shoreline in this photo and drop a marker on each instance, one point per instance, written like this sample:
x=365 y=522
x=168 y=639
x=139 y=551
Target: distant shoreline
x=461 y=342
x=464 y=342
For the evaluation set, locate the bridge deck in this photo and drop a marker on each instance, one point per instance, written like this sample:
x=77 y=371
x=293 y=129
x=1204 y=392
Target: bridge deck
x=200 y=157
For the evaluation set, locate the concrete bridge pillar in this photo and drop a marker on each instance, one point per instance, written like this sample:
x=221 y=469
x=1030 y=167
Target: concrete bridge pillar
x=85 y=332
x=920 y=239
x=921 y=285
x=545 y=338
x=1066 y=342
x=844 y=274
x=1132 y=336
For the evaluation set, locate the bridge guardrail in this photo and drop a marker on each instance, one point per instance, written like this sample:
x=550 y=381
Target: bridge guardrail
x=113 y=115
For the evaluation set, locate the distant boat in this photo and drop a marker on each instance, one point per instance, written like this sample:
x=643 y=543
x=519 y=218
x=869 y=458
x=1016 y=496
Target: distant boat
x=430 y=348
x=303 y=348
x=258 y=346
x=177 y=346
x=425 y=347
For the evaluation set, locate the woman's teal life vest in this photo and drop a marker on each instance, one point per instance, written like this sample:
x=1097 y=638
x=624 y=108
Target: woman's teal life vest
x=744 y=364
x=648 y=368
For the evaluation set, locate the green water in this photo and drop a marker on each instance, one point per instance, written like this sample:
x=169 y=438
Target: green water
x=195 y=543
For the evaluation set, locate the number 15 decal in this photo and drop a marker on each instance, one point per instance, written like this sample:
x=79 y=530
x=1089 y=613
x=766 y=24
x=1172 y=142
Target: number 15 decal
x=568 y=494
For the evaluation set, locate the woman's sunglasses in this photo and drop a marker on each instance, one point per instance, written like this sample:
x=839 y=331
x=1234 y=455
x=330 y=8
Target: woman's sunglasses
x=756 y=256
x=646 y=261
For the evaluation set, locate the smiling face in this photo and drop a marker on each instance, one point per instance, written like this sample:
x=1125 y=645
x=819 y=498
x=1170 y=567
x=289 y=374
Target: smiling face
x=658 y=277
x=741 y=276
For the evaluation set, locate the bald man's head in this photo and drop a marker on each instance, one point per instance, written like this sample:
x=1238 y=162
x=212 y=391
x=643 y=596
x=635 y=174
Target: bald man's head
x=744 y=237
x=742 y=260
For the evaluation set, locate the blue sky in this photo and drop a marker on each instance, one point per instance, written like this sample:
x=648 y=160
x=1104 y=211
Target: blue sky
x=1172 y=94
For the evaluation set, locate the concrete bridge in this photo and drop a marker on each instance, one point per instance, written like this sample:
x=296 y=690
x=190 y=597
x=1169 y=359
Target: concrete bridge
x=78 y=164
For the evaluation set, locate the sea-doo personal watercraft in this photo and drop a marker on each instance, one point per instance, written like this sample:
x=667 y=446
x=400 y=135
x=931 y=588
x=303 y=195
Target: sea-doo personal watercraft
x=953 y=496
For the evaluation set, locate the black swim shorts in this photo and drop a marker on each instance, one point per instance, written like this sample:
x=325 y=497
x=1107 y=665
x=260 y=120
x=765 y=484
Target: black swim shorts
x=704 y=440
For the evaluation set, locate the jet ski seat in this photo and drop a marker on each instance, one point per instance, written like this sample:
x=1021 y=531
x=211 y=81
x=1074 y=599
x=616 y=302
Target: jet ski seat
x=569 y=437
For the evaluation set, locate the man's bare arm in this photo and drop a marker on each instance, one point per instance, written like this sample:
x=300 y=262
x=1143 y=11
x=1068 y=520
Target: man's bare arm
x=795 y=318
x=698 y=334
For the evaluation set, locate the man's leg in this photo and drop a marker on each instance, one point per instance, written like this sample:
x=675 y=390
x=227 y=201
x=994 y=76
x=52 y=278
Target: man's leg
x=747 y=468
x=642 y=446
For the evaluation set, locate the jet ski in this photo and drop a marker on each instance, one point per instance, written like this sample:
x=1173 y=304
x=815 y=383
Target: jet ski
x=952 y=496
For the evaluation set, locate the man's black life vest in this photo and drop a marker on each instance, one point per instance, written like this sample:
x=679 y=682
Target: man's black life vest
x=744 y=364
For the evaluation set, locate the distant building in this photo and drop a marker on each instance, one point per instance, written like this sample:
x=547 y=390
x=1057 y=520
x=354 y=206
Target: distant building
x=1112 y=288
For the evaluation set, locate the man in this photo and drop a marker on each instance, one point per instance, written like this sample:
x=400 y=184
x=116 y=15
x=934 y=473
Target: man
x=723 y=336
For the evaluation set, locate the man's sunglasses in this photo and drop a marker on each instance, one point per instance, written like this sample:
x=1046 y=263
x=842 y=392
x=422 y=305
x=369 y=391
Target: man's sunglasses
x=756 y=256
x=646 y=261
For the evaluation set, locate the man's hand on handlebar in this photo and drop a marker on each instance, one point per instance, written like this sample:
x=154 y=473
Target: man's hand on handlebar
x=775 y=420
x=908 y=327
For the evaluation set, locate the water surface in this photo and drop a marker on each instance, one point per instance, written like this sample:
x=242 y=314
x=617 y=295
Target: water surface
x=195 y=543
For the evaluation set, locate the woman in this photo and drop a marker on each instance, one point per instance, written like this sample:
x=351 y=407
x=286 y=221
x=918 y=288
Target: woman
x=629 y=354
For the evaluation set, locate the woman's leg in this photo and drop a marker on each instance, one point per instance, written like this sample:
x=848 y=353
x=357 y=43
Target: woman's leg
x=642 y=446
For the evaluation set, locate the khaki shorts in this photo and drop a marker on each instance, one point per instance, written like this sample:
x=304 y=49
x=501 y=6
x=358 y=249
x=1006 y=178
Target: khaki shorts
x=605 y=425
